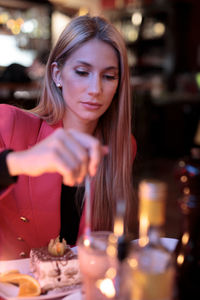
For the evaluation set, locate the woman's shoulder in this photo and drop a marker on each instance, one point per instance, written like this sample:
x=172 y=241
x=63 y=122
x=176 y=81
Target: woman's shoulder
x=12 y=111
x=22 y=127
x=24 y=119
x=7 y=108
x=18 y=126
x=14 y=117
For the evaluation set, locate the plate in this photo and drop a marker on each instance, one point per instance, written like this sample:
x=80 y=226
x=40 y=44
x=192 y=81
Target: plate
x=169 y=243
x=10 y=291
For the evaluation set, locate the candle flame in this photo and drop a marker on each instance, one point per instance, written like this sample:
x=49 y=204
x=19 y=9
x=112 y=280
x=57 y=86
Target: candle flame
x=106 y=287
x=86 y=242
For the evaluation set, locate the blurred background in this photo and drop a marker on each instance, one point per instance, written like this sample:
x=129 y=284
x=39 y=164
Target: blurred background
x=163 y=43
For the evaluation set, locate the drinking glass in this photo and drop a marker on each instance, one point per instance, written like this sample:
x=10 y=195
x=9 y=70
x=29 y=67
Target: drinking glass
x=97 y=256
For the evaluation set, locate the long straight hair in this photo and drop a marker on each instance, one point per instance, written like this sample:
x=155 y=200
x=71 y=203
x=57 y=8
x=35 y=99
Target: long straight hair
x=113 y=180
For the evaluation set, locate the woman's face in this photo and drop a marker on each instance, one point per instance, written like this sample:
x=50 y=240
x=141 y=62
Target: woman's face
x=89 y=79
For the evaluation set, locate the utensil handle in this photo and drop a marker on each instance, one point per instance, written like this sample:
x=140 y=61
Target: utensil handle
x=88 y=205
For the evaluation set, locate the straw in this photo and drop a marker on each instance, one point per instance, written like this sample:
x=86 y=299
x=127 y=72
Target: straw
x=88 y=206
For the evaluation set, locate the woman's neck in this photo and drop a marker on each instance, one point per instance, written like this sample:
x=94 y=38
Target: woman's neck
x=84 y=126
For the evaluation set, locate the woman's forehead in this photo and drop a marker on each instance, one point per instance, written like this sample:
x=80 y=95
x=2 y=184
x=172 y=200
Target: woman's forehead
x=94 y=51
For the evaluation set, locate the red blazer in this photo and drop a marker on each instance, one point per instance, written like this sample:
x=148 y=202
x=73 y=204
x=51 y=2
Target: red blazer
x=30 y=209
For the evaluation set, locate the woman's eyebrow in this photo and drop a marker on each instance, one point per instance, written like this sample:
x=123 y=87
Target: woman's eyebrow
x=84 y=63
x=89 y=65
x=111 y=68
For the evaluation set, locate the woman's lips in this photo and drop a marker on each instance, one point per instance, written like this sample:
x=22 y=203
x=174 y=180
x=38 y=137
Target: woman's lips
x=91 y=105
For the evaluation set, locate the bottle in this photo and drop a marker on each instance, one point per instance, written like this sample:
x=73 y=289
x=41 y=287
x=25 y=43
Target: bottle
x=151 y=262
x=124 y=283
x=187 y=251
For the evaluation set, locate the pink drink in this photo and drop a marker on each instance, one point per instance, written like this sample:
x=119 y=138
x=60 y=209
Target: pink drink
x=94 y=263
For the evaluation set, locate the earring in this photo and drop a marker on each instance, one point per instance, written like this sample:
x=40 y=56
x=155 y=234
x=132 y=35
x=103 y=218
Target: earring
x=58 y=85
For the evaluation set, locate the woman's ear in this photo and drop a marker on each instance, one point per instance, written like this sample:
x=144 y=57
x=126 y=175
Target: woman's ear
x=56 y=74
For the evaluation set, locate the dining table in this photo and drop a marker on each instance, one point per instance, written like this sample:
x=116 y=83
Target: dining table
x=9 y=291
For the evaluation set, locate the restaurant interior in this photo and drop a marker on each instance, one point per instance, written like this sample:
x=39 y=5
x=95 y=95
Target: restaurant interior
x=163 y=43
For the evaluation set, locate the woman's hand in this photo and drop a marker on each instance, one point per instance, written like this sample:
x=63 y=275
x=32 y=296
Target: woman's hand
x=72 y=154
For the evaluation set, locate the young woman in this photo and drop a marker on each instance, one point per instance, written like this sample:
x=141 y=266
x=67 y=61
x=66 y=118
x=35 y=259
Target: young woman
x=82 y=124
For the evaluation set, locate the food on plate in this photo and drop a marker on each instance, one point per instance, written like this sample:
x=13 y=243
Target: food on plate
x=55 y=265
x=28 y=285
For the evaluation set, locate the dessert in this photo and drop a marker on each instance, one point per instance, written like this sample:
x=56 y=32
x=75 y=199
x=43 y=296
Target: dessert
x=55 y=266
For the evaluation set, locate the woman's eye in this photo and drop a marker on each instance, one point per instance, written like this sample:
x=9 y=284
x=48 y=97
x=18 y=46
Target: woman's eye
x=81 y=73
x=110 y=77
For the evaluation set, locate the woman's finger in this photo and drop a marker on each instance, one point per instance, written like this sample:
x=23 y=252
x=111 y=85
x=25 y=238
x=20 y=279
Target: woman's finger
x=95 y=149
x=81 y=155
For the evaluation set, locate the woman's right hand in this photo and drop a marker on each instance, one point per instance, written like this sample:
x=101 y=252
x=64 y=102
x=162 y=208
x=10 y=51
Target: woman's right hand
x=72 y=154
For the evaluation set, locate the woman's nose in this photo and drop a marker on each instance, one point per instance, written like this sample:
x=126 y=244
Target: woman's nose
x=95 y=85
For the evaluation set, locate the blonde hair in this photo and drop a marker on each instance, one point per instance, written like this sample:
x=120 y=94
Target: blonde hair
x=113 y=180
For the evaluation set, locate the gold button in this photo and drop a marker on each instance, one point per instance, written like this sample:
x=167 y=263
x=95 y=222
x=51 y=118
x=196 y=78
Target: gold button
x=24 y=219
x=20 y=238
x=22 y=254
